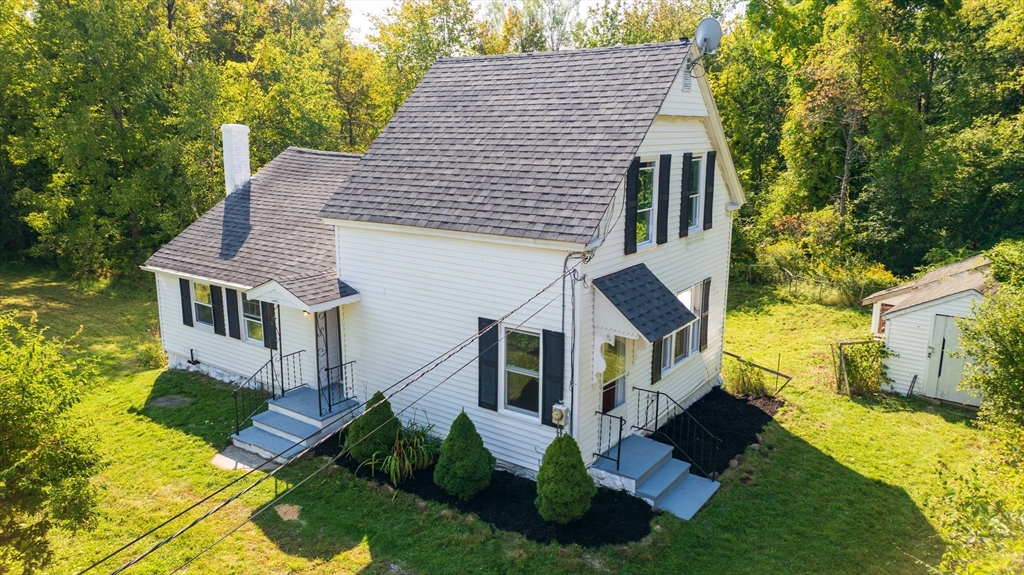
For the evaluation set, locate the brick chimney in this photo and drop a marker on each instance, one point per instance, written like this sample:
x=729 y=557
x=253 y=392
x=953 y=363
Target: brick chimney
x=236 y=156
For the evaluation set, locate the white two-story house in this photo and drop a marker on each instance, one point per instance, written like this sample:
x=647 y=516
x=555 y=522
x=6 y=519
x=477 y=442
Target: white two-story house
x=540 y=240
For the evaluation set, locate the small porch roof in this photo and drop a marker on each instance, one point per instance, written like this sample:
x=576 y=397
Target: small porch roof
x=311 y=291
x=638 y=296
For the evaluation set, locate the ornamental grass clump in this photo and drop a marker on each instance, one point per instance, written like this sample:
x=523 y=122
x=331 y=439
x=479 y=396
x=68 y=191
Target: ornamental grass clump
x=465 y=465
x=375 y=430
x=564 y=488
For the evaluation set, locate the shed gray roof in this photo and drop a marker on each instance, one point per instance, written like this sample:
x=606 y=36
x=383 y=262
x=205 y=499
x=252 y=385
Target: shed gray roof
x=971 y=274
x=268 y=230
x=647 y=303
x=524 y=145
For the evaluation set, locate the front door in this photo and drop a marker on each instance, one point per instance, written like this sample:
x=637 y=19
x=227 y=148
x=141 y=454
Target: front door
x=946 y=369
x=328 y=347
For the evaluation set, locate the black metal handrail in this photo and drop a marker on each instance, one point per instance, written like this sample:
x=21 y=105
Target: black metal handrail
x=601 y=442
x=335 y=386
x=657 y=413
x=278 y=376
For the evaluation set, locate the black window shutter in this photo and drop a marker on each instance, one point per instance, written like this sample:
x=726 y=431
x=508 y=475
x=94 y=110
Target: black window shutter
x=664 y=173
x=684 y=205
x=217 y=296
x=632 y=183
x=488 y=342
x=704 y=304
x=269 y=325
x=186 y=301
x=553 y=378
x=709 y=190
x=656 y=360
x=232 y=304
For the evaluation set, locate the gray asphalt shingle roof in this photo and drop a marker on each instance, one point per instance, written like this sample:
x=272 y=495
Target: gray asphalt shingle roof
x=524 y=145
x=269 y=230
x=971 y=274
x=647 y=303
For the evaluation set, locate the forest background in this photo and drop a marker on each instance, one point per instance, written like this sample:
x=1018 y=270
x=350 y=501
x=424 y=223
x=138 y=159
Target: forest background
x=872 y=137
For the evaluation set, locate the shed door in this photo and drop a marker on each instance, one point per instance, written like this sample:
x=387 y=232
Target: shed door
x=946 y=370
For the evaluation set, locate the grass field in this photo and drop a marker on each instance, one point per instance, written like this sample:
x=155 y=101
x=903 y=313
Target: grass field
x=850 y=486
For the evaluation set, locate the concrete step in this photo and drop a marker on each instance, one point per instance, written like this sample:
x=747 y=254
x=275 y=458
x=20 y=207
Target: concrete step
x=663 y=482
x=640 y=459
x=689 y=496
x=266 y=444
x=287 y=427
x=303 y=404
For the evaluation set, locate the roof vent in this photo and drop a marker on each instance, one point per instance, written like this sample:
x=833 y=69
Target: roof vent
x=236 y=156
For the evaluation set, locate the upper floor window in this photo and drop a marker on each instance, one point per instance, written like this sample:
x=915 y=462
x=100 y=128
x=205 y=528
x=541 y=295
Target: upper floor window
x=694 y=187
x=203 y=301
x=645 y=204
x=253 y=317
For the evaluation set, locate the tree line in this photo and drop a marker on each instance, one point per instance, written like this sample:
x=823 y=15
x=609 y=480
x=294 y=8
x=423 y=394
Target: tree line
x=871 y=137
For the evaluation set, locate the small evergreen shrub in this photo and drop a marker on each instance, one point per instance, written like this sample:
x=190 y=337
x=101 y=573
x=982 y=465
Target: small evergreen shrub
x=743 y=378
x=465 y=465
x=564 y=488
x=364 y=439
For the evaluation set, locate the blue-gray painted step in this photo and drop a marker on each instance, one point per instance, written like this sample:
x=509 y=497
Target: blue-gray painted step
x=663 y=481
x=640 y=458
x=266 y=444
x=305 y=401
x=689 y=496
x=287 y=427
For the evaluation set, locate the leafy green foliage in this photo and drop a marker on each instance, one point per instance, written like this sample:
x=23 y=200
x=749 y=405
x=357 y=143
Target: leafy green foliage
x=374 y=430
x=414 y=448
x=465 y=465
x=564 y=488
x=861 y=368
x=46 y=458
x=743 y=378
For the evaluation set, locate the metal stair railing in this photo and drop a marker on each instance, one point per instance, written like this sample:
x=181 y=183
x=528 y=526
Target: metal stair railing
x=278 y=376
x=335 y=385
x=604 y=440
x=659 y=414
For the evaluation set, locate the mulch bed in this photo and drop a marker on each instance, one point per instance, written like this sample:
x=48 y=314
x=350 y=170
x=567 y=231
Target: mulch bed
x=615 y=517
x=734 y=420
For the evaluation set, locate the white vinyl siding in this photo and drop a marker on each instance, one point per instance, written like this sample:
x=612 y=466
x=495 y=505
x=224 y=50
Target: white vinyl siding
x=429 y=283
x=680 y=264
x=235 y=358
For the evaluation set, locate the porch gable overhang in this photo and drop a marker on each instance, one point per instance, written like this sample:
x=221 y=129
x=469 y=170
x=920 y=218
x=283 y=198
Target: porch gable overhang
x=308 y=292
x=634 y=303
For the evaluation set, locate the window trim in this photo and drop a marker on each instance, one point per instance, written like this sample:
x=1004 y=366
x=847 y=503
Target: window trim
x=196 y=303
x=246 y=318
x=668 y=342
x=651 y=165
x=503 y=374
x=696 y=213
x=620 y=381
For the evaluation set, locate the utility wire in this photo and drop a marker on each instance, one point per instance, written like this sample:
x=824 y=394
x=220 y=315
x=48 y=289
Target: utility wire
x=332 y=460
x=430 y=366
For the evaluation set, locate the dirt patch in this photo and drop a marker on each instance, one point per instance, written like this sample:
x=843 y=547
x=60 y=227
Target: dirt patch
x=736 y=421
x=615 y=517
x=171 y=401
x=288 y=512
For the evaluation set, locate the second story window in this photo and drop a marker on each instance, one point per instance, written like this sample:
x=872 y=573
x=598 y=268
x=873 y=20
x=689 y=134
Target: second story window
x=695 y=213
x=645 y=204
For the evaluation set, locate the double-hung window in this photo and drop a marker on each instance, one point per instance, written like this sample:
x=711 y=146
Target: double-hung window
x=695 y=195
x=202 y=300
x=522 y=371
x=253 y=317
x=685 y=342
x=645 y=204
x=614 y=377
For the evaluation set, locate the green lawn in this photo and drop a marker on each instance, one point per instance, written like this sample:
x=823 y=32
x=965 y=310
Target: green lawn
x=846 y=486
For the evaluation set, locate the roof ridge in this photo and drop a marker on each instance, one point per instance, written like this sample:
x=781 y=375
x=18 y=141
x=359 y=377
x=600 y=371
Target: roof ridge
x=549 y=53
x=323 y=152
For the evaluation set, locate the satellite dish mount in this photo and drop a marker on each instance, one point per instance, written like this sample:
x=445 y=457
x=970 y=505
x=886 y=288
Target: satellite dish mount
x=707 y=37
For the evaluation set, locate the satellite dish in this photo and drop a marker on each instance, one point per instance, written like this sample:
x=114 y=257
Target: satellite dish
x=708 y=35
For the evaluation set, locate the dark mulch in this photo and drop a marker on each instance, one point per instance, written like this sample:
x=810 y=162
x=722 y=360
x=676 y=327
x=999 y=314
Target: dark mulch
x=615 y=517
x=733 y=420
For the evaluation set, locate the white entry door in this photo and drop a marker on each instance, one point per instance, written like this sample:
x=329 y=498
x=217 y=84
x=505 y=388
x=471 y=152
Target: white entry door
x=946 y=371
